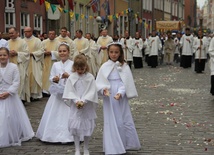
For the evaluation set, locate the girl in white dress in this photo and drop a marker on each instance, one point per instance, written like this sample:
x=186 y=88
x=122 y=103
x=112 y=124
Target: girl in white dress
x=81 y=91
x=54 y=123
x=15 y=126
x=115 y=84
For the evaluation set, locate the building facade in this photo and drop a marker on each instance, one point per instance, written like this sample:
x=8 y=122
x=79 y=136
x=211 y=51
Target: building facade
x=190 y=13
x=22 y=13
x=116 y=15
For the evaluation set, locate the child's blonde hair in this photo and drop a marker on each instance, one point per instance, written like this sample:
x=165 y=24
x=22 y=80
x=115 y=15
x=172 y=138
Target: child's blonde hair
x=80 y=61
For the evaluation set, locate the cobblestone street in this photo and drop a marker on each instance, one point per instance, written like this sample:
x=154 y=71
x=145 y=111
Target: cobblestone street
x=174 y=115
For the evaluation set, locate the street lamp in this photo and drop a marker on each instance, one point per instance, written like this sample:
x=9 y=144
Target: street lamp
x=100 y=22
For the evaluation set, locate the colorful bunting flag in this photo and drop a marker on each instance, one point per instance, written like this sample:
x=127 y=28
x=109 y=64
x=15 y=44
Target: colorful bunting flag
x=76 y=16
x=65 y=11
x=53 y=8
x=60 y=9
x=71 y=14
x=82 y=16
x=47 y=5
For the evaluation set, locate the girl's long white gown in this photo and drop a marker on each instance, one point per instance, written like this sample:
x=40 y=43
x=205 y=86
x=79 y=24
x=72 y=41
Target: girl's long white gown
x=15 y=126
x=119 y=130
x=54 y=123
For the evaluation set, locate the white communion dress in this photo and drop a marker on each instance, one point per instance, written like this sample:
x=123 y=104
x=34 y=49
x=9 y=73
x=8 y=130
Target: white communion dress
x=15 y=126
x=119 y=132
x=54 y=123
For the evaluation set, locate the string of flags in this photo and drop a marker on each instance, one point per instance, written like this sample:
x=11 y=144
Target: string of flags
x=72 y=14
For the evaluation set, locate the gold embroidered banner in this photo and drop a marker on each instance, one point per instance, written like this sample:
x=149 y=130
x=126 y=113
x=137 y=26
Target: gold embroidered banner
x=168 y=25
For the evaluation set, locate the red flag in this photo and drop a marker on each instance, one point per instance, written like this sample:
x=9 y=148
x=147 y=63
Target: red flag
x=41 y=2
x=60 y=3
x=71 y=4
x=94 y=5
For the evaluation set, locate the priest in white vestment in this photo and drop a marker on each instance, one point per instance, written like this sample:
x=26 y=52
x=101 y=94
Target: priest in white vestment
x=102 y=42
x=92 y=59
x=19 y=55
x=127 y=48
x=81 y=44
x=64 y=38
x=36 y=64
x=50 y=47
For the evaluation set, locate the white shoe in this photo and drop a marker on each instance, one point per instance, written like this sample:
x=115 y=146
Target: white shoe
x=77 y=153
x=86 y=152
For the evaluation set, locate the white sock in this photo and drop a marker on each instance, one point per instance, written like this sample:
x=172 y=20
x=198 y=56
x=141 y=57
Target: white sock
x=86 y=141
x=77 y=143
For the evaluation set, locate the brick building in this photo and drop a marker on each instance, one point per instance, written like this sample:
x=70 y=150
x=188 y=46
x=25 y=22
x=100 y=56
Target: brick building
x=22 y=13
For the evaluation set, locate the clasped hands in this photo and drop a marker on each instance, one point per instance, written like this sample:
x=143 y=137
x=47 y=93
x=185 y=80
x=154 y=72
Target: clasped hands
x=80 y=104
x=4 y=95
x=57 y=78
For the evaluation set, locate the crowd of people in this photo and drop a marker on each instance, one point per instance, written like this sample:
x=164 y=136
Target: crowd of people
x=74 y=72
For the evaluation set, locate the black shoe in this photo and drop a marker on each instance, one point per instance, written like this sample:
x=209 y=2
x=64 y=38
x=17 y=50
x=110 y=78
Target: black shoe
x=24 y=102
x=45 y=95
x=34 y=99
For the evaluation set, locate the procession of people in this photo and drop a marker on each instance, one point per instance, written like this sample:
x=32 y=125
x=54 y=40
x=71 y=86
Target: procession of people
x=74 y=73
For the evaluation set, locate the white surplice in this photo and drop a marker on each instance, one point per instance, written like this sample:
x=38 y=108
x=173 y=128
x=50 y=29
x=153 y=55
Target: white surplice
x=127 y=48
x=187 y=45
x=54 y=123
x=119 y=130
x=155 y=45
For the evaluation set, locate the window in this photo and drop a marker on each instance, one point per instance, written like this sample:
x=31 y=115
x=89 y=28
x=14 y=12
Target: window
x=38 y=23
x=9 y=20
x=25 y=21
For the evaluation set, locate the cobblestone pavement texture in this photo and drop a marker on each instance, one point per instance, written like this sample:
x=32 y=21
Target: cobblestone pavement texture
x=174 y=115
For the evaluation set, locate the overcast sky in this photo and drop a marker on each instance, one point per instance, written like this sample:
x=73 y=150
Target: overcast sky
x=200 y=2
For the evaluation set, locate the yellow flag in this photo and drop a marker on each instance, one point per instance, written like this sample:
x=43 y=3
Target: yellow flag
x=35 y=1
x=71 y=14
x=47 y=5
x=60 y=9
x=111 y=18
x=82 y=16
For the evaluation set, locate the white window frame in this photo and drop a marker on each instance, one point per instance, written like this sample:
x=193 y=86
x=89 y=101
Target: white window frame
x=11 y=22
x=38 y=19
x=25 y=24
